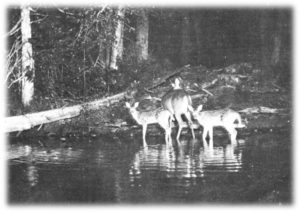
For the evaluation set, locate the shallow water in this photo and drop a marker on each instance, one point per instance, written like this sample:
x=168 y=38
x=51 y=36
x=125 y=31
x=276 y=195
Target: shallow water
x=107 y=170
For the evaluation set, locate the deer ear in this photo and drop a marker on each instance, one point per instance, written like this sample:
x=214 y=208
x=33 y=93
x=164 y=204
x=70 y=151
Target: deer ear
x=127 y=104
x=136 y=104
x=177 y=83
x=191 y=109
x=199 y=108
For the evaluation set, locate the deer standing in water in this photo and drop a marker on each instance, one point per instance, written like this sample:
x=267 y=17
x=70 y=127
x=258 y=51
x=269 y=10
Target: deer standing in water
x=159 y=115
x=177 y=102
x=226 y=118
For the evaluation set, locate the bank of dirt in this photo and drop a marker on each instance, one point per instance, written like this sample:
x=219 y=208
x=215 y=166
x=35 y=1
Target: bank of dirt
x=238 y=86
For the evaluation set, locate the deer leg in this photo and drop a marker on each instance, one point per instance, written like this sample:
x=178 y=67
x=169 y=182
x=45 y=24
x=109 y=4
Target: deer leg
x=211 y=137
x=232 y=133
x=204 y=134
x=179 y=121
x=168 y=135
x=144 y=134
x=191 y=124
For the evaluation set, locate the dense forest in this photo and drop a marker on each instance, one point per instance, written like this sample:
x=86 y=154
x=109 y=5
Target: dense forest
x=82 y=54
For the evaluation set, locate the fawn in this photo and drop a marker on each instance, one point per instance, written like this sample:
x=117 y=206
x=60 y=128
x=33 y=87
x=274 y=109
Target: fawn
x=226 y=118
x=177 y=101
x=159 y=115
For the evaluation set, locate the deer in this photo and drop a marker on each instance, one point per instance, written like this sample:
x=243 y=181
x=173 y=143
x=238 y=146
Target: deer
x=144 y=118
x=226 y=118
x=177 y=102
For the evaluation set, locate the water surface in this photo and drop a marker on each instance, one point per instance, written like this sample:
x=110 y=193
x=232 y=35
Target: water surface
x=107 y=170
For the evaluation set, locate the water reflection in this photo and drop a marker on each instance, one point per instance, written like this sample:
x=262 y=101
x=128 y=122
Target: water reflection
x=228 y=158
x=108 y=171
x=27 y=153
x=31 y=156
x=32 y=174
x=186 y=160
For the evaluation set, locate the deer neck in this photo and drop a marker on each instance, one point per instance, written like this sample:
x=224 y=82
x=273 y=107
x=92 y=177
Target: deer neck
x=135 y=115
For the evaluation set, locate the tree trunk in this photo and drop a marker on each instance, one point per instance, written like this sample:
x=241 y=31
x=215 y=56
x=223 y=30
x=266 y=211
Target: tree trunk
x=27 y=82
x=277 y=38
x=186 y=40
x=142 y=31
x=276 y=50
x=107 y=57
x=117 y=47
x=198 y=35
x=264 y=51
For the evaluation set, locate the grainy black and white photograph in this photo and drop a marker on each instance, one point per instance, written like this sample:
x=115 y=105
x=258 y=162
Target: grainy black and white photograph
x=127 y=104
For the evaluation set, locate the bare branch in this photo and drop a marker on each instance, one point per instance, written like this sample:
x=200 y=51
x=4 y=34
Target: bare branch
x=15 y=28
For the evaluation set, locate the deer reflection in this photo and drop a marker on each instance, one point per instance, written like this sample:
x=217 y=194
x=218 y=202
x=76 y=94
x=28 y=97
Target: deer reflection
x=186 y=160
x=227 y=158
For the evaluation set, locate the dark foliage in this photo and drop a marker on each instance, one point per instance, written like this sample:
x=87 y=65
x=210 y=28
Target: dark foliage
x=71 y=46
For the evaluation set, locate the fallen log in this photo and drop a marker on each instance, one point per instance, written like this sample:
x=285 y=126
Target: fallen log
x=27 y=121
x=165 y=78
x=261 y=109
